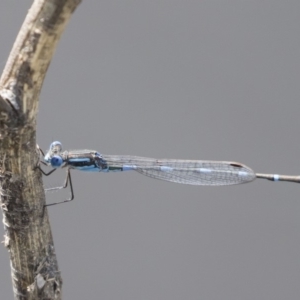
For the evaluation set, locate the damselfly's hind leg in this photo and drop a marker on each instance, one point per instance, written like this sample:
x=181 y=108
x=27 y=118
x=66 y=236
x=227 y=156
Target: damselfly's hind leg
x=67 y=181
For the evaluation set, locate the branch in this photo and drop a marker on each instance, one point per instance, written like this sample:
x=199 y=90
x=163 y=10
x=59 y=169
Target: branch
x=28 y=237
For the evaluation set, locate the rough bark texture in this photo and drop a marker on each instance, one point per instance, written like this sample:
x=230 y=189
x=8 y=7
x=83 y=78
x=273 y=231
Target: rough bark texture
x=28 y=238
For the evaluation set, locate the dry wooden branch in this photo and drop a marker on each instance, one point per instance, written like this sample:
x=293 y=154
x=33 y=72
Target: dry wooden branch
x=28 y=237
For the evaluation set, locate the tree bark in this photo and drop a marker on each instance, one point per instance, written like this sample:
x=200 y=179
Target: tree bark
x=28 y=237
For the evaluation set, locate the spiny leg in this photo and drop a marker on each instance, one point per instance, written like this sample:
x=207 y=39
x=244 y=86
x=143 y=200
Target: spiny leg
x=37 y=166
x=68 y=180
x=41 y=151
x=44 y=173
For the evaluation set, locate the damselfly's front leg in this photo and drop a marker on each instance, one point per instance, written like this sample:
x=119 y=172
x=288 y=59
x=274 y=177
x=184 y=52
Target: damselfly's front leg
x=37 y=166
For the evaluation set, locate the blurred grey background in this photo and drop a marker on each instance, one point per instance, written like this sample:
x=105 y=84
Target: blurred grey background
x=186 y=79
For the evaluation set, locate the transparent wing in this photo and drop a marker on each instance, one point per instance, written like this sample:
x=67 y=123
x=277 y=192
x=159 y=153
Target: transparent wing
x=194 y=172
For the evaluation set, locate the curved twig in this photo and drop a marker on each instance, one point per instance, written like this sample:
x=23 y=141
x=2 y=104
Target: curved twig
x=28 y=237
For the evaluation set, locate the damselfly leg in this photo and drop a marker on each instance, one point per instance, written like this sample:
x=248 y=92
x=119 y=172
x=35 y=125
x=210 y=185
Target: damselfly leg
x=67 y=181
x=37 y=166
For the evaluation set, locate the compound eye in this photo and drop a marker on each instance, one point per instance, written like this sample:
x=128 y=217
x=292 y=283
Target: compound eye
x=56 y=147
x=56 y=161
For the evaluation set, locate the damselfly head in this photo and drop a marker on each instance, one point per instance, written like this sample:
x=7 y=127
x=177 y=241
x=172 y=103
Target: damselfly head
x=54 y=152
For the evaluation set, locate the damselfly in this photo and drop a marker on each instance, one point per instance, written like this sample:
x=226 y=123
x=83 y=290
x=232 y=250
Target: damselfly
x=193 y=172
